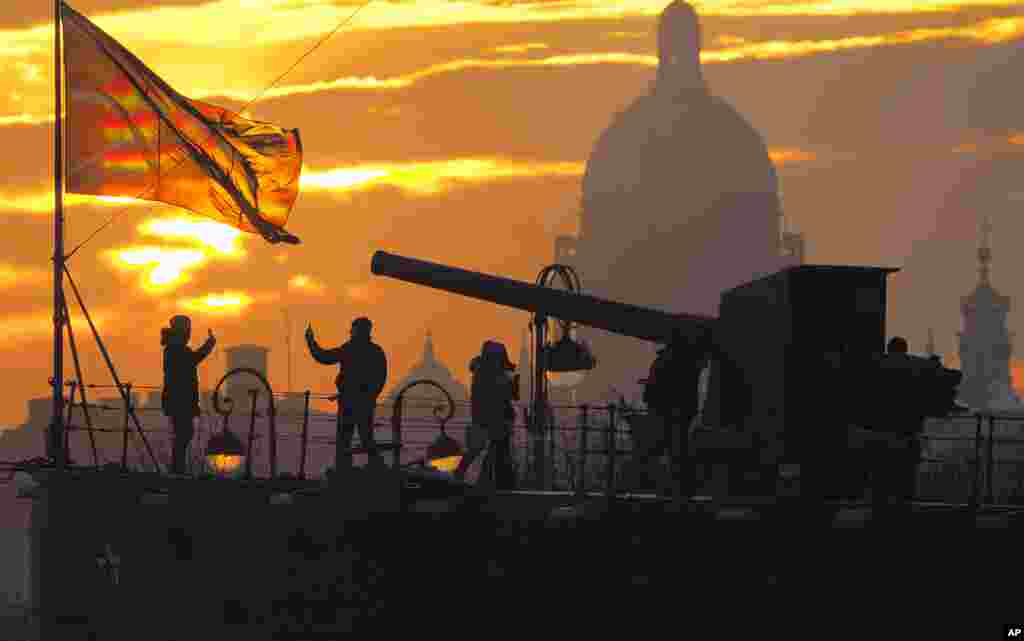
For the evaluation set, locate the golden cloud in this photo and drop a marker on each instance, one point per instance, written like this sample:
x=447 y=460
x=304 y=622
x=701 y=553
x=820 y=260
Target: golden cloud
x=167 y=268
x=222 y=238
x=282 y=21
x=991 y=31
x=360 y=292
x=39 y=326
x=784 y=156
x=523 y=48
x=222 y=304
x=307 y=285
x=991 y=144
x=433 y=177
x=13 y=276
x=427 y=178
x=438 y=176
x=42 y=202
x=163 y=269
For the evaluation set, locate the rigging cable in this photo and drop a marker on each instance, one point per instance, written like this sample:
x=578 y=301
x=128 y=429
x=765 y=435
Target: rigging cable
x=251 y=102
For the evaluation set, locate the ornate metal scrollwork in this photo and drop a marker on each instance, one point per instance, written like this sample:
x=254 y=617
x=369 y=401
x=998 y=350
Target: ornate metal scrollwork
x=437 y=410
x=228 y=406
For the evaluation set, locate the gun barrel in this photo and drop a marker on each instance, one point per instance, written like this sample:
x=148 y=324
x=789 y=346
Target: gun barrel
x=619 y=318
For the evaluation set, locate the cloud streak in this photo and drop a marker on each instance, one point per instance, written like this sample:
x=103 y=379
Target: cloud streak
x=221 y=304
x=987 y=32
x=422 y=178
x=165 y=268
x=12 y=276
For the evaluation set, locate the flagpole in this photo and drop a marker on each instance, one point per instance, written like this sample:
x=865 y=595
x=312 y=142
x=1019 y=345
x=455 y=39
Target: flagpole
x=56 y=442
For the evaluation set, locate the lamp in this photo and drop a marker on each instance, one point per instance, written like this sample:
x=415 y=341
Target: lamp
x=566 y=360
x=444 y=453
x=225 y=453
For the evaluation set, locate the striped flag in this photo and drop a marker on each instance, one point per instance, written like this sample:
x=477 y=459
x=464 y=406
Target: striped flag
x=130 y=134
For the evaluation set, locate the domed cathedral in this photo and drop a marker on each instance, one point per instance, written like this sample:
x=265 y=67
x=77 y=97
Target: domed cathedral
x=985 y=343
x=432 y=369
x=679 y=203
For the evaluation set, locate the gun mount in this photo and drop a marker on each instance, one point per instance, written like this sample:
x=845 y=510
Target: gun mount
x=787 y=344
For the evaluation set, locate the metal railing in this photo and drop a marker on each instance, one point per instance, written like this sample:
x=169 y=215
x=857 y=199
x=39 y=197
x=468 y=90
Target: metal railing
x=973 y=458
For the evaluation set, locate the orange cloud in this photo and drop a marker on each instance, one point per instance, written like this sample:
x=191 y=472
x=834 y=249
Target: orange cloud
x=223 y=304
x=424 y=178
x=164 y=269
x=990 y=144
x=435 y=176
x=222 y=238
x=167 y=268
x=307 y=285
x=991 y=31
x=523 y=48
x=786 y=156
x=12 y=276
x=360 y=293
x=39 y=326
x=42 y=202
x=280 y=21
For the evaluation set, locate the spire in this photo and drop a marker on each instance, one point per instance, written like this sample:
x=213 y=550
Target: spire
x=930 y=347
x=428 y=350
x=985 y=250
x=679 y=36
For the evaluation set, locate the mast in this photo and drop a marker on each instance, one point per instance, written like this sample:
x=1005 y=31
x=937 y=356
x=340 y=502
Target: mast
x=56 y=443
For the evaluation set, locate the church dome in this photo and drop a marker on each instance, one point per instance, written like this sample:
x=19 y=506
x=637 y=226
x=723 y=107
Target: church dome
x=432 y=369
x=676 y=153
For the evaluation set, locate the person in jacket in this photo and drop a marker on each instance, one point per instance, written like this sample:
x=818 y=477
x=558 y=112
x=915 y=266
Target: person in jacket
x=362 y=373
x=180 y=395
x=895 y=459
x=493 y=389
x=672 y=395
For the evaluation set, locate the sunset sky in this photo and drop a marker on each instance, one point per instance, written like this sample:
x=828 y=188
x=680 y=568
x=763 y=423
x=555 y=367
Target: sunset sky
x=457 y=132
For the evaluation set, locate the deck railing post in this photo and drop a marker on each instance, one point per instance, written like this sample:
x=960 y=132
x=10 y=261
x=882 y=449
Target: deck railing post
x=581 y=445
x=305 y=436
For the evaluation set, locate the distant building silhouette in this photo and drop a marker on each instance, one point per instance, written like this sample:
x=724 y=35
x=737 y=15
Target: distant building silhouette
x=429 y=367
x=985 y=343
x=238 y=386
x=679 y=202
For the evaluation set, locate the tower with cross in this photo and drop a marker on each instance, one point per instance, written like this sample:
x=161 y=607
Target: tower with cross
x=985 y=342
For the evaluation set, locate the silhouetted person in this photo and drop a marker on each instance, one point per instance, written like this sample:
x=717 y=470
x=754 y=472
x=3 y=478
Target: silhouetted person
x=363 y=370
x=180 y=395
x=494 y=388
x=672 y=395
x=895 y=459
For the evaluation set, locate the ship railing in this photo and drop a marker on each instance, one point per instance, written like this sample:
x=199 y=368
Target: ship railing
x=975 y=457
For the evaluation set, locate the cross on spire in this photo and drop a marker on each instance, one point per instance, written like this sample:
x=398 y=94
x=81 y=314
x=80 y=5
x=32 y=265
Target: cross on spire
x=428 y=349
x=985 y=251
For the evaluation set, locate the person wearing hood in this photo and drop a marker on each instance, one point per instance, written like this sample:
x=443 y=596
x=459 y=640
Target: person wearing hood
x=494 y=388
x=180 y=395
